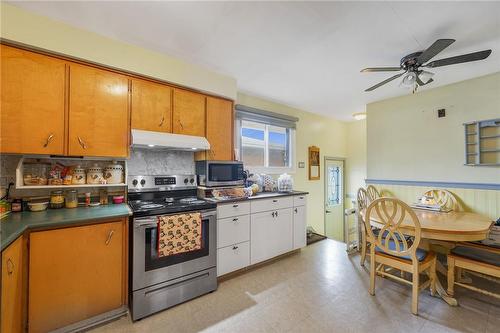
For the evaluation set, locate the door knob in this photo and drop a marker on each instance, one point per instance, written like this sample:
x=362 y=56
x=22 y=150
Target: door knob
x=328 y=211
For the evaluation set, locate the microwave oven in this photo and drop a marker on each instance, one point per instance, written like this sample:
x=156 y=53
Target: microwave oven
x=220 y=173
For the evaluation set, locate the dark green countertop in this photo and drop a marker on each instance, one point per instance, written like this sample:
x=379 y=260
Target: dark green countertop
x=15 y=224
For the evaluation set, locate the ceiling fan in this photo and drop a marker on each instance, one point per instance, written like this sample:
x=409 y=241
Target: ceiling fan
x=412 y=64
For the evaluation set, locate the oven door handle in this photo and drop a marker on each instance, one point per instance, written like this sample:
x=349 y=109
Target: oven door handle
x=146 y=224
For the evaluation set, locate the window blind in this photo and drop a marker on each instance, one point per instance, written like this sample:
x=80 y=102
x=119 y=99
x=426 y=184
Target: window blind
x=265 y=117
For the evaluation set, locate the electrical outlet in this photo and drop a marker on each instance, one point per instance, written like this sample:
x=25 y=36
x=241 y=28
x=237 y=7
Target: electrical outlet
x=441 y=113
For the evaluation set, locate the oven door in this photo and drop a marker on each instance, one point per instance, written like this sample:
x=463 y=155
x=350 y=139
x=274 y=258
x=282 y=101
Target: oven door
x=222 y=173
x=149 y=269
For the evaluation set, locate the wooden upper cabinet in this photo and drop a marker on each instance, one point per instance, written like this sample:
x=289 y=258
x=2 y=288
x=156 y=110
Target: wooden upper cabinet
x=188 y=113
x=75 y=273
x=220 y=129
x=98 y=113
x=151 y=106
x=12 y=288
x=32 y=102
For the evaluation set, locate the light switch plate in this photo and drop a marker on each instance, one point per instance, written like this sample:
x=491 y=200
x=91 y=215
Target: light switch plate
x=302 y=165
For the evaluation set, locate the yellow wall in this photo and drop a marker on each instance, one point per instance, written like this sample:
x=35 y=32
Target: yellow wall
x=356 y=157
x=312 y=130
x=485 y=202
x=25 y=27
x=407 y=141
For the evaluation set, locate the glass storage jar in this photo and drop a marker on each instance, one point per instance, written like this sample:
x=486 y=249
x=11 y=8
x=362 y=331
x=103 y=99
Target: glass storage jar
x=56 y=199
x=71 y=199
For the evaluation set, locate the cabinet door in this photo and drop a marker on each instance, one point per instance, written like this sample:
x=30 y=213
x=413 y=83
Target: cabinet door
x=189 y=113
x=98 y=113
x=271 y=234
x=219 y=129
x=12 y=288
x=75 y=273
x=299 y=227
x=151 y=106
x=32 y=103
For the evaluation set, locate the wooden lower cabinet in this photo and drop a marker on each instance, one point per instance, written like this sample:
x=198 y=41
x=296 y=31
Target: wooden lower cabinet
x=76 y=273
x=12 y=305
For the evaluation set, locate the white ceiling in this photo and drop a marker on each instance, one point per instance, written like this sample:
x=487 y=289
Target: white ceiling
x=303 y=54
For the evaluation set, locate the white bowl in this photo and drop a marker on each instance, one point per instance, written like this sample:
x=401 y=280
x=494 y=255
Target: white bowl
x=38 y=206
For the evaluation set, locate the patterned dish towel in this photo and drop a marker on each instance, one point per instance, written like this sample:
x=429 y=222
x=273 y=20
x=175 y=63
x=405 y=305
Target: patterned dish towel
x=178 y=234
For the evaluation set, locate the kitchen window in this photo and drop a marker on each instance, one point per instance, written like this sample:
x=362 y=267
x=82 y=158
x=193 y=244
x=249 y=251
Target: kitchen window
x=265 y=141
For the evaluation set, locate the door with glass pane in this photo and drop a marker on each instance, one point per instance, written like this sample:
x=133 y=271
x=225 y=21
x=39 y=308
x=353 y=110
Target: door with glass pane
x=334 y=199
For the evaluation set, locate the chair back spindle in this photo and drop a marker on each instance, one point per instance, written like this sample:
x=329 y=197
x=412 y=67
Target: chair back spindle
x=372 y=193
x=443 y=198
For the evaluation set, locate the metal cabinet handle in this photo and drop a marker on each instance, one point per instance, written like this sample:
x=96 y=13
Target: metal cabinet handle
x=276 y=214
x=235 y=247
x=328 y=211
x=301 y=197
x=47 y=141
x=180 y=124
x=84 y=146
x=162 y=120
x=235 y=206
x=273 y=214
x=275 y=200
x=295 y=210
x=235 y=219
x=110 y=235
x=10 y=267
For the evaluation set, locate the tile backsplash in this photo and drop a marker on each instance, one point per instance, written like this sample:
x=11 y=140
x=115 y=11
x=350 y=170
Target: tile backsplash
x=160 y=162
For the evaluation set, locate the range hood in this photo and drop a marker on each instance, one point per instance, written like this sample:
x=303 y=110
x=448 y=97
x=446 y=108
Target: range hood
x=160 y=140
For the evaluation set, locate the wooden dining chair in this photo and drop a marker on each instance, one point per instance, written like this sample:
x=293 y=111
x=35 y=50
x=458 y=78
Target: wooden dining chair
x=372 y=193
x=362 y=200
x=394 y=249
x=443 y=198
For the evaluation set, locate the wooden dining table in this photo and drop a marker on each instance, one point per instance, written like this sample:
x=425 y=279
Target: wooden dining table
x=450 y=227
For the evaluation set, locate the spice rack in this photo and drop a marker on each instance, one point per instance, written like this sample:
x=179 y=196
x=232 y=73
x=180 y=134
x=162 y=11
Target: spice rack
x=482 y=143
x=85 y=162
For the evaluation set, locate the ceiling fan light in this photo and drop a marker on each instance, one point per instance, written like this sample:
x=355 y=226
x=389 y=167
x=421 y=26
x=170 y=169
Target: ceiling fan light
x=425 y=76
x=409 y=80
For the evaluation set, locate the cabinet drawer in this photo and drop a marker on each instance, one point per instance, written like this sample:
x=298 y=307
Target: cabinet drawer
x=299 y=200
x=271 y=204
x=233 y=230
x=233 y=209
x=232 y=258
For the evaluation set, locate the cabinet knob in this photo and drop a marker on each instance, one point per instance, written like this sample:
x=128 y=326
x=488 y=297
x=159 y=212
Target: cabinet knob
x=110 y=235
x=235 y=247
x=82 y=143
x=47 y=141
x=275 y=200
x=235 y=206
x=162 y=121
x=10 y=267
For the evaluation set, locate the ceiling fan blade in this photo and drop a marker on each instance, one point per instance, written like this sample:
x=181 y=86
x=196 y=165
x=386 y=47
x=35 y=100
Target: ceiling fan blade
x=385 y=81
x=381 y=69
x=459 y=59
x=434 y=49
x=421 y=83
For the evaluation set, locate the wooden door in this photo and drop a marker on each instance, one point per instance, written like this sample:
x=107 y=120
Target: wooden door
x=75 y=273
x=98 y=113
x=188 y=113
x=32 y=103
x=271 y=234
x=151 y=106
x=220 y=129
x=12 y=288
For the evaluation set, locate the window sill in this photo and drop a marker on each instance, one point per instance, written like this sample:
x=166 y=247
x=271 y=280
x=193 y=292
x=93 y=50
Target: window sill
x=271 y=170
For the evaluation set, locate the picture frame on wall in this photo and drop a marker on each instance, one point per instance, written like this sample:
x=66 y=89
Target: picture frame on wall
x=314 y=163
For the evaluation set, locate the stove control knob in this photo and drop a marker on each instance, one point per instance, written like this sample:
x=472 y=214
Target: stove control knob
x=191 y=180
x=185 y=180
x=143 y=181
x=134 y=182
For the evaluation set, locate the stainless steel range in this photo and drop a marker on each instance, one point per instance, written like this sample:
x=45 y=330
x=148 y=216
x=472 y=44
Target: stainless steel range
x=159 y=282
